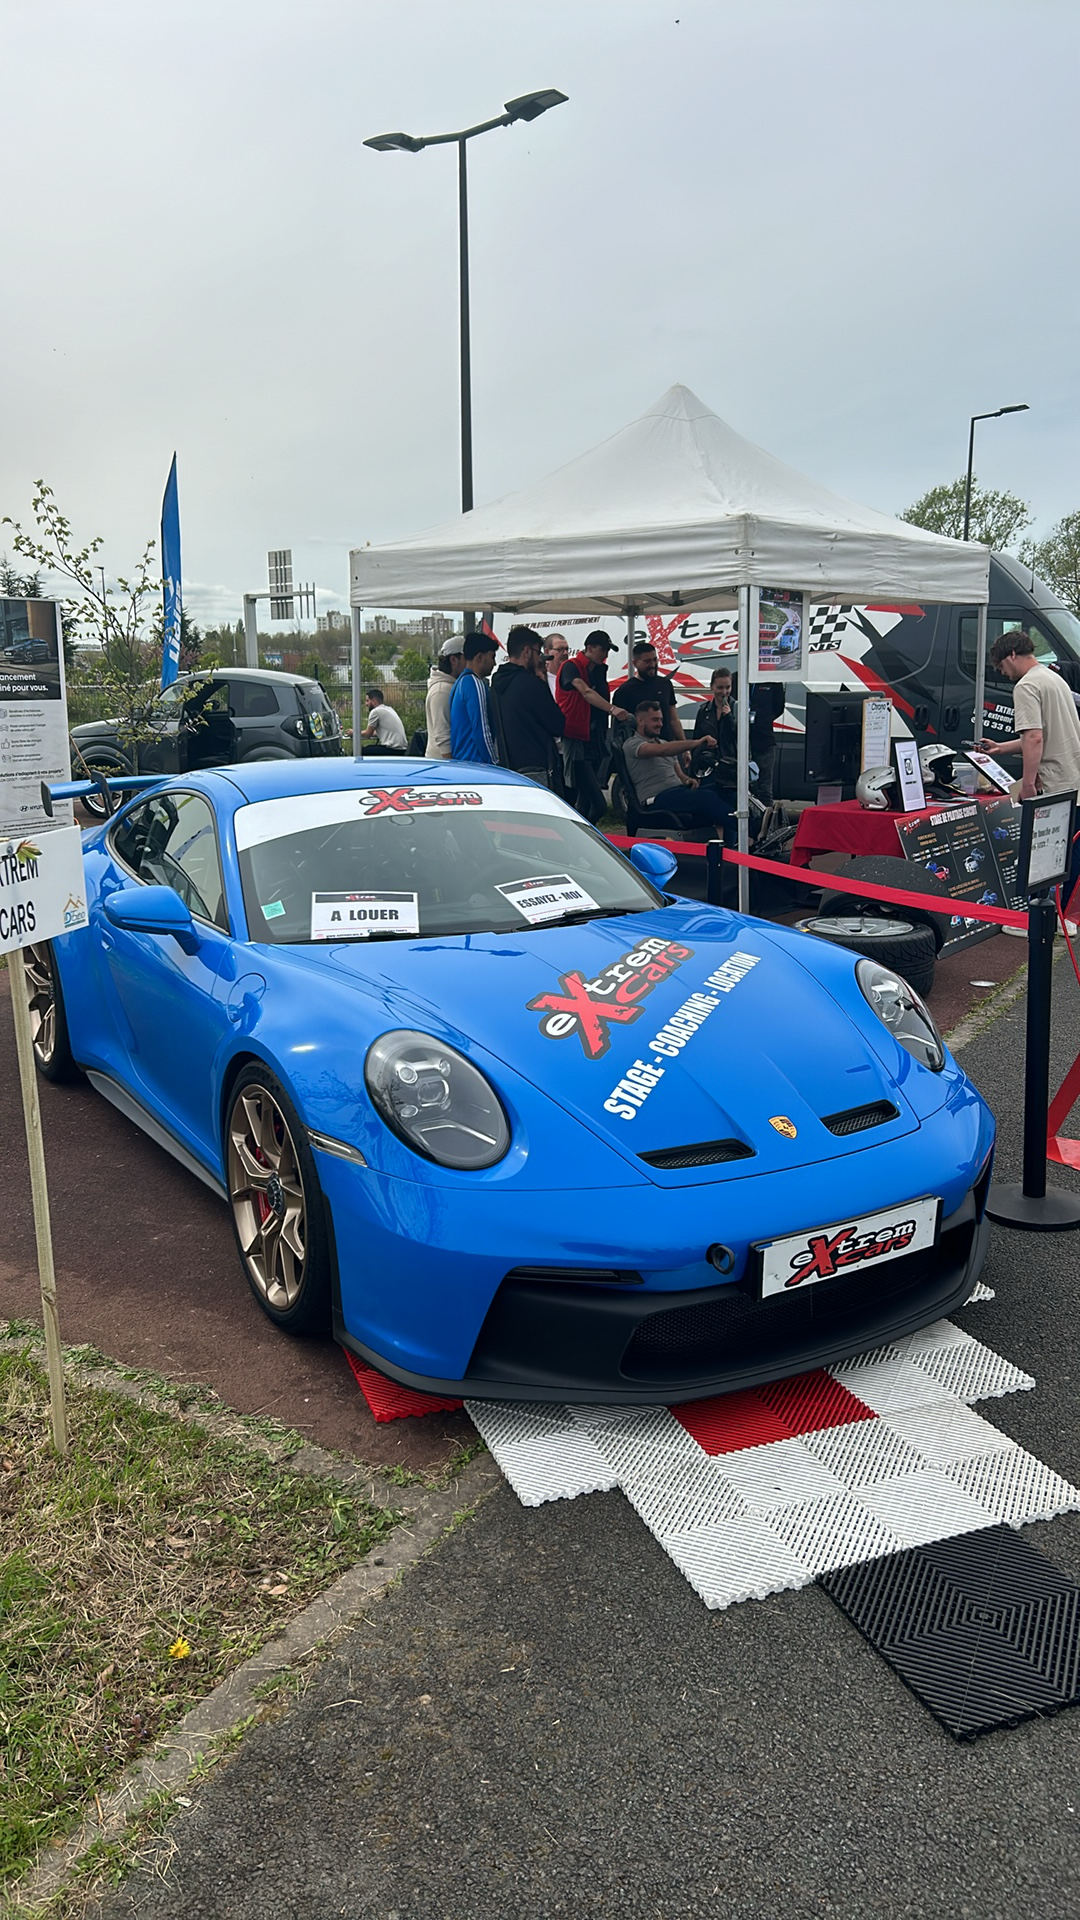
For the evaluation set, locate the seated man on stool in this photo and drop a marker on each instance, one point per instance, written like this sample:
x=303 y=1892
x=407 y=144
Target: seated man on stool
x=659 y=781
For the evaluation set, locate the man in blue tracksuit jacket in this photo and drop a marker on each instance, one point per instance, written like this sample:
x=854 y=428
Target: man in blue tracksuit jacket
x=472 y=723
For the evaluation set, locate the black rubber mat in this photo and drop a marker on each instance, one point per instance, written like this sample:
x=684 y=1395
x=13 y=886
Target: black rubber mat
x=984 y=1631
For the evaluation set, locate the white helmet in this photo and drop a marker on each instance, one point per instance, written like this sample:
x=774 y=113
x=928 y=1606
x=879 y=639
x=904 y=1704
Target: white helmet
x=871 y=787
x=936 y=761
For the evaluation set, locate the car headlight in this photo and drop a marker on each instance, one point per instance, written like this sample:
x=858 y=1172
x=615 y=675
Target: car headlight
x=434 y=1100
x=899 y=1008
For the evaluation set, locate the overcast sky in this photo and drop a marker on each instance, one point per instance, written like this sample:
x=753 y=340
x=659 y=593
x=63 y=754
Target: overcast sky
x=845 y=224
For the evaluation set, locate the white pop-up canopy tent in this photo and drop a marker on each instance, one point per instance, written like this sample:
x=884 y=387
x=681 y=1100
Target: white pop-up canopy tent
x=676 y=510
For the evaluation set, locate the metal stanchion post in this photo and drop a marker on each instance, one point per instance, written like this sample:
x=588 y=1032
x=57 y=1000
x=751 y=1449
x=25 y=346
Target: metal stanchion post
x=1031 y=1205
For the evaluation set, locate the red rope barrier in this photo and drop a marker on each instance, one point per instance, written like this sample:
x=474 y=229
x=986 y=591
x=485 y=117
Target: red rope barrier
x=869 y=890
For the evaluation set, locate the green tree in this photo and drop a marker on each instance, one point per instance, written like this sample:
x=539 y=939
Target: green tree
x=1057 y=559
x=412 y=666
x=18 y=586
x=996 y=518
x=381 y=648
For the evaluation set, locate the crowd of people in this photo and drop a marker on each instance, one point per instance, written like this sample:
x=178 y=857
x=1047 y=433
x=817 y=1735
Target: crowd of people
x=551 y=715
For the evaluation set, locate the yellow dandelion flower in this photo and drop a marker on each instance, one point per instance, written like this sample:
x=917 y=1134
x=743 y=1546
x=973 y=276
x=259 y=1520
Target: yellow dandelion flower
x=180 y=1649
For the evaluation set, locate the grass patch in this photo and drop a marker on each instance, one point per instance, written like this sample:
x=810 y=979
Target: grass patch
x=134 y=1576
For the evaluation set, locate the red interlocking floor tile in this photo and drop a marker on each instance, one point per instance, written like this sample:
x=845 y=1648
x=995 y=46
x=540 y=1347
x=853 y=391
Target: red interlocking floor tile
x=780 y=1411
x=389 y=1401
x=812 y=1401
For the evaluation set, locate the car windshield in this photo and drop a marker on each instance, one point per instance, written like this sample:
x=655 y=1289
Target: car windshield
x=386 y=863
x=1066 y=625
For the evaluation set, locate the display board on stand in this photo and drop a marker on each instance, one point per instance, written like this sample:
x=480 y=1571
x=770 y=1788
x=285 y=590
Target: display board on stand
x=970 y=849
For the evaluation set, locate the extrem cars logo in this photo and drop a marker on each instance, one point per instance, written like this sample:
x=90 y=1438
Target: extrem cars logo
x=826 y=1254
x=613 y=998
x=414 y=799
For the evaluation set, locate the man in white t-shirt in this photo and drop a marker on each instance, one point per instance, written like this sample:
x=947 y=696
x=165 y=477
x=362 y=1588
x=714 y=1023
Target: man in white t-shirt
x=1048 y=725
x=385 y=728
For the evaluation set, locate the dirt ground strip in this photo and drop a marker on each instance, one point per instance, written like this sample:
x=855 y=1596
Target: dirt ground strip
x=148 y=1271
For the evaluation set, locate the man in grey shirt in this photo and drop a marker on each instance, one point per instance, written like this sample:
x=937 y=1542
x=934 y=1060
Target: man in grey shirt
x=1048 y=726
x=653 y=765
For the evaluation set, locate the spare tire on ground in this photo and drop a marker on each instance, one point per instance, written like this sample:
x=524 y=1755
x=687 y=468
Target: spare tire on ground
x=902 y=875
x=909 y=949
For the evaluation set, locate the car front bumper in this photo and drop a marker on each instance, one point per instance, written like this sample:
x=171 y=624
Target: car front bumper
x=451 y=1302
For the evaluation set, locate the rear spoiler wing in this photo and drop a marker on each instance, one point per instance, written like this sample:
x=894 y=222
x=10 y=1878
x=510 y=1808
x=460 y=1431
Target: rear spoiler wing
x=76 y=789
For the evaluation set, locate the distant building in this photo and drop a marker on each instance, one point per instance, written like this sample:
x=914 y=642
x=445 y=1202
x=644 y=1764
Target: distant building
x=332 y=623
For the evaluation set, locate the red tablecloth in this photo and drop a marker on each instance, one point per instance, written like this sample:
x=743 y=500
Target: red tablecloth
x=845 y=828
x=850 y=828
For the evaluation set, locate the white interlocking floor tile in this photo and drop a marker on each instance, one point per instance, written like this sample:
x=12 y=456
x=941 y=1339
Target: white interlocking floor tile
x=940 y=1333
x=503 y=1421
x=781 y=1474
x=740 y=1560
x=825 y=1534
x=895 y=1383
x=973 y=1372
x=676 y=1495
x=864 y=1452
x=591 y=1417
x=874 y=1358
x=630 y=1446
x=554 y=1466
x=1014 y=1487
x=942 y=1434
x=919 y=1507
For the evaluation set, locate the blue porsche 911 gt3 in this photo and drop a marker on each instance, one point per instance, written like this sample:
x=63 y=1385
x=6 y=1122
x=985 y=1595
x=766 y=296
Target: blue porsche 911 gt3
x=522 y=1123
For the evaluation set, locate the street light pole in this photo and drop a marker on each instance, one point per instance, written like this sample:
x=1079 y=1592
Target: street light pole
x=529 y=106
x=996 y=415
x=463 y=327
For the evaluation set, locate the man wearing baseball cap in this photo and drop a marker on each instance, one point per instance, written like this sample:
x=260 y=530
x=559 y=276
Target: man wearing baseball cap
x=582 y=694
x=444 y=671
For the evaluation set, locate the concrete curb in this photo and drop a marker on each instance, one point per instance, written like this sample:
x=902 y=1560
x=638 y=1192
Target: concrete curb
x=332 y=1613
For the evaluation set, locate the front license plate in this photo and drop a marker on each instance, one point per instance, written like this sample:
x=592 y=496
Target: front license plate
x=849 y=1246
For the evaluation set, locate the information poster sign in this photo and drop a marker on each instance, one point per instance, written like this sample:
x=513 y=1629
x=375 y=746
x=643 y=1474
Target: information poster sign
x=33 y=716
x=876 y=732
x=1046 y=829
x=912 y=792
x=951 y=845
x=990 y=770
x=1001 y=820
x=782 y=629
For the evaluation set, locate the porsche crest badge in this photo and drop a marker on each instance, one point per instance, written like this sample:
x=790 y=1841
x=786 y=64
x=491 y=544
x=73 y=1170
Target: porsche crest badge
x=783 y=1125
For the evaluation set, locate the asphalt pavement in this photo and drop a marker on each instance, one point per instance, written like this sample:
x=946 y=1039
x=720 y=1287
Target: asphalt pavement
x=542 y=1718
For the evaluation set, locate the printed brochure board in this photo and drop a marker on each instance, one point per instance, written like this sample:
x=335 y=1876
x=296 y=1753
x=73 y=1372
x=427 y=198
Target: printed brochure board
x=1046 y=831
x=783 y=624
x=42 y=893
x=33 y=716
x=958 y=846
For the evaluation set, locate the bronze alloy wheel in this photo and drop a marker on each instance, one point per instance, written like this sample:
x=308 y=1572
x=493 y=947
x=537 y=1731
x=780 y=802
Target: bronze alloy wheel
x=41 y=995
x=266 y=1192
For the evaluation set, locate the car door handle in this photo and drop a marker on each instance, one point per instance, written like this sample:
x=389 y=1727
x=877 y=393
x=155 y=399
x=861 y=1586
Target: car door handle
x=920 y=717
x=951 y=719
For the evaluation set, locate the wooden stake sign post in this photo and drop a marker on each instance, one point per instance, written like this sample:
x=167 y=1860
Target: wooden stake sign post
x=42 y=892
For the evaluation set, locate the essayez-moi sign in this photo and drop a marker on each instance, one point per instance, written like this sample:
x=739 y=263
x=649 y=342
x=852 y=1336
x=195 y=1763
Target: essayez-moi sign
x=42 y=890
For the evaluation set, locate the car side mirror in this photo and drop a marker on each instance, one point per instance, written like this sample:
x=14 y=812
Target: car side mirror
x=655 y=862
x=152 y=910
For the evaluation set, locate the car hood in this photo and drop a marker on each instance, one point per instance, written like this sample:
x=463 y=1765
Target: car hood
x=657 y=1031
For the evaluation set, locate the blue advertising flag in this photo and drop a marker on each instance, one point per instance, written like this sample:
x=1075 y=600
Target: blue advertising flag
x=170 y=571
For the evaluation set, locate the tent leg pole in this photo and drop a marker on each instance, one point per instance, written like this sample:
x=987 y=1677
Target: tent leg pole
x=631 y=629
x=978 y=718
x=357 y=708
x=748 y=619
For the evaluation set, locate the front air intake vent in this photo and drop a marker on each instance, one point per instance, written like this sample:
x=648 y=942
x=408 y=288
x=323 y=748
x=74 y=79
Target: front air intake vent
x=857 y=1119
x=704 y=1153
